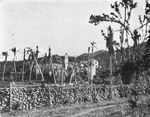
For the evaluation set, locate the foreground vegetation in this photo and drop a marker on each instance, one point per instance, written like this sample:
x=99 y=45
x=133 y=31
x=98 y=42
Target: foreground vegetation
x=103 y=109
x=113 y=108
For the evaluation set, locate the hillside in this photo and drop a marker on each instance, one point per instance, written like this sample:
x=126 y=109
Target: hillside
x=102 y=56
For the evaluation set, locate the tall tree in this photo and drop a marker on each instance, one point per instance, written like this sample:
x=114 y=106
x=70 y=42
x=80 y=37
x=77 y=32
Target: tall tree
x=122 y=19
x=110 y=46
x=14 y=60
x=36 y=55
x=6 y=55
x=89 y=65
x=23 y=71
x=92 y=49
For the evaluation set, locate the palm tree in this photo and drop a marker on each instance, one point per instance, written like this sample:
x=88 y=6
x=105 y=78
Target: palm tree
x=109 y=45
x=50 y=59
x=6 y=55
x=32 y=64
x=37 y=52
x=14 y=51
x=88 y=65
x=93 y=46
x=33 y=58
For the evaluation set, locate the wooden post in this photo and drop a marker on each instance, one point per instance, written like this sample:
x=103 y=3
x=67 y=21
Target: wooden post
x=10 y=94
x=49 y=93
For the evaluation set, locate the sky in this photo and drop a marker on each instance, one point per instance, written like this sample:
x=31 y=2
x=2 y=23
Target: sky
x=61 y=24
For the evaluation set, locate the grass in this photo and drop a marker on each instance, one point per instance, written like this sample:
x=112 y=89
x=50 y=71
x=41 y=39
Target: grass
x=101 y=109
x=112 y=108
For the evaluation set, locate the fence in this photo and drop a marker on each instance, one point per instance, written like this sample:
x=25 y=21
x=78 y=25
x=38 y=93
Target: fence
x=31 y=97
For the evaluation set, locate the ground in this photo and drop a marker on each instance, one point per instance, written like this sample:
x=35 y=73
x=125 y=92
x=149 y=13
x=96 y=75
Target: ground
x=113 y=108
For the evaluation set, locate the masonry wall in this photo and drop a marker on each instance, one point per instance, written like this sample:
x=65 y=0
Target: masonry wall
x=16 y=98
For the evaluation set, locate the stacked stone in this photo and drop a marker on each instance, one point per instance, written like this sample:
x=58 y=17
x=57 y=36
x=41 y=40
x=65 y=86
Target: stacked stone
x=37 y=97
x=4 y=100
x=100 y=95
x=29 y=98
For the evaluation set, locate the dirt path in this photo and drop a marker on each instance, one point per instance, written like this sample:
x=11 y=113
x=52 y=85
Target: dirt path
x=101 y=108
x=84 y=110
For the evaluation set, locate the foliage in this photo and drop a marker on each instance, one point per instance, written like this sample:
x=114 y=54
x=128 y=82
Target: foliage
x=134 y=67
x=4 y=53
x=132 y=59
x=127 y=71
x=109 y=40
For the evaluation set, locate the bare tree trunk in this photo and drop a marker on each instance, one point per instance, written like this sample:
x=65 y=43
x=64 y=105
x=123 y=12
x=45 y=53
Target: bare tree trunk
x=31 y=68
x=36 y=56
x=15 y=66
x=88 y=65
x=110 y=65
x=23 y=65
x=72 y=76
x=115 y=57
x=23 y=71
x=40 y=70
x=92 y=66
x=36 y=71
x=54 y=76
x=62 y=76
x=51 y=63
x=82 y=80
x=4 y=69
x=111 y=84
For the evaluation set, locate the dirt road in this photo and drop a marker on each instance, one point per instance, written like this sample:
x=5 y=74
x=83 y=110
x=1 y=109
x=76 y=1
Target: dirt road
x=101 y=109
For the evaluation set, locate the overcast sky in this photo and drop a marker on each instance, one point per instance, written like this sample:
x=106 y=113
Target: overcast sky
x=61 y=24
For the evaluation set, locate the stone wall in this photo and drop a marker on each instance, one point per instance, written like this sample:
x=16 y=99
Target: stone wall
x=41 y=96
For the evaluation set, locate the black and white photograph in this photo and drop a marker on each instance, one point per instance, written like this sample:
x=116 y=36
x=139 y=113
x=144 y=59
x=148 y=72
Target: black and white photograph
x=74 y=58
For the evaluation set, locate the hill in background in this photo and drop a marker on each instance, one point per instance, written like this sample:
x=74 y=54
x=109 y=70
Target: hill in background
x=102 y=56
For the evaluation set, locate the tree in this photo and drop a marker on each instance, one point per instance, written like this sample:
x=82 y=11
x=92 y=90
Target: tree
x=14 y=60
x=6 y=55
x=24 y=54
x=121 y=19
x=128 y=54
x=33 y=58
x=92 y=48
x=109 y=45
